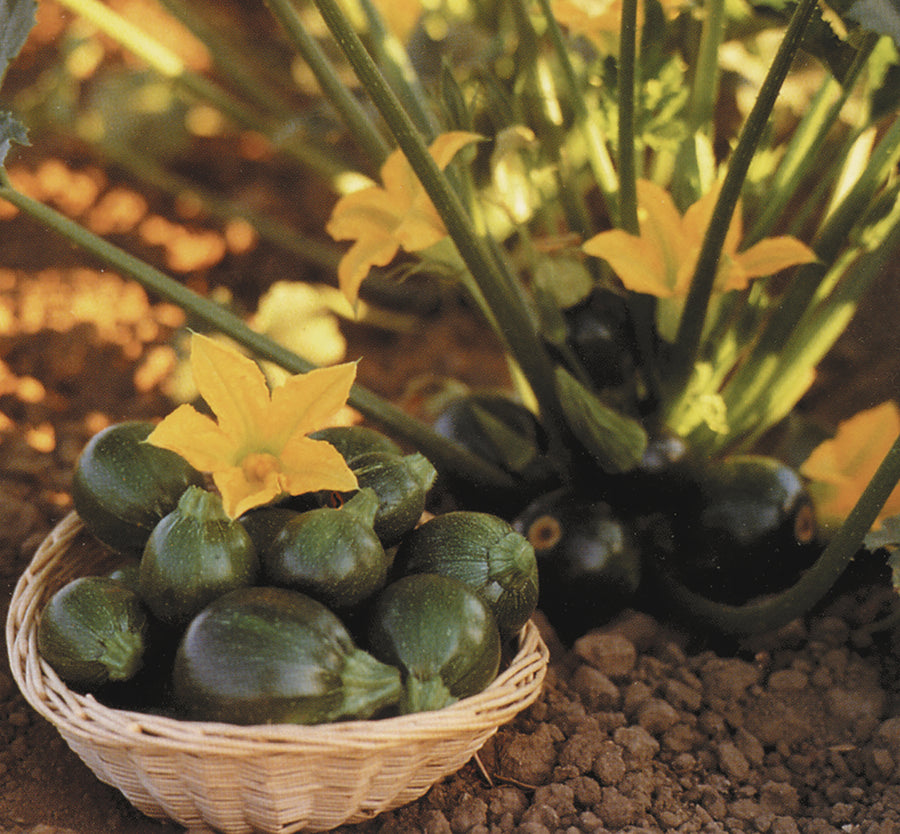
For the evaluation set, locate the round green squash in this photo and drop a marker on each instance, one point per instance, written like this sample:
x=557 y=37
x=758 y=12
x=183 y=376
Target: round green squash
x=483 y=551
x=332 y=554
x=441 y=633
x=262 y=655
x=123 y=486
x=401 y=483
x=92 y=631
x=194 y=554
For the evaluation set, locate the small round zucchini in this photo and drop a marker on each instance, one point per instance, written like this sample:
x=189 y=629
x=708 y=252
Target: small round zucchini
x=588 y=560
x=195 y=554
x=270 y=655
x=440 y=633
x=752 y=531
x=483 y=551
x=123 y=486
x=401 y=483
x=93 y=631
x=352 y=441
x=331 y=554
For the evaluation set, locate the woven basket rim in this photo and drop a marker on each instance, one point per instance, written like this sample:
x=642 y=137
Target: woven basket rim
x=76 y=714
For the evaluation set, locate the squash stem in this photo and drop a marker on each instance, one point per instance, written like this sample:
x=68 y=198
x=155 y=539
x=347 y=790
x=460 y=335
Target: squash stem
x=368 y=686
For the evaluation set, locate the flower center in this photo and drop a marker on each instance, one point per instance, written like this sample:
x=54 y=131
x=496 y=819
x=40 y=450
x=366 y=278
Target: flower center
x=260 y=467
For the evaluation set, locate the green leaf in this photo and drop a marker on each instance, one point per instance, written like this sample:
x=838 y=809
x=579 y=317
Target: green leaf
x=17 y=17
x=11 y=130
x=614 y=440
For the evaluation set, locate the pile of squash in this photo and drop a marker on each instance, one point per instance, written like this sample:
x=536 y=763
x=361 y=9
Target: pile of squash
x=320 y=608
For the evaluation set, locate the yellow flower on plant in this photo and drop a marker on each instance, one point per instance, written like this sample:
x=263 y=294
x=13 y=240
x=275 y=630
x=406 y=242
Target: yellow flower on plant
x=257 y=449
x=840 y=468
x=395 y=215
x=661 y=260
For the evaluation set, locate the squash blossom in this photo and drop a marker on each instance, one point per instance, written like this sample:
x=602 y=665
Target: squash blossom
x=396 y=215
x=660 y=261
x=257 y=449
x=840 y=468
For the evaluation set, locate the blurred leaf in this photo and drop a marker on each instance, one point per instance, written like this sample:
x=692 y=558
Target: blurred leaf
x=888 y=537
x=17 y=17
x=11 y=130
x=880 y=16
x=567 y=280
x=516 y=451
x=614 y=440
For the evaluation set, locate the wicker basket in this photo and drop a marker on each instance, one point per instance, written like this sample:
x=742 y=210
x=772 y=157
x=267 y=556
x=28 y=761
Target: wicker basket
x=270 y=778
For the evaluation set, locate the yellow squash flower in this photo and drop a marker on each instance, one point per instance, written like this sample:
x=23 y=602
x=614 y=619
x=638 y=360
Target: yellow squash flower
x=258 y=449
x=840 y=468
x=661 y=260
x=396 y=215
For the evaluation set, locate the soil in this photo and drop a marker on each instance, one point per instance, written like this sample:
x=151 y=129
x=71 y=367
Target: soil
x=641 y=726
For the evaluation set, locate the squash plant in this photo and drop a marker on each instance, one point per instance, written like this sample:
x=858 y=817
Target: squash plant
x=663 y=280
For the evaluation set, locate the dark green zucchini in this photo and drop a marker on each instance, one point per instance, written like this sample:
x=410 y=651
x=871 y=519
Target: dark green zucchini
x=93 y=631
x=195 y=554
x=264 y=523
x=265 y=655
x=331 y=554
x=122 y=486
x=352 y=441
x=401 y=483
x=483 y=551
x=440 y=633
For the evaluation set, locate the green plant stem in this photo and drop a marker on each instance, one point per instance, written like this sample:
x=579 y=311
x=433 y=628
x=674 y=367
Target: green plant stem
x=444 y=454
x=802 y=153
x=704 y=90
x=515 y=327
x=628 y=214
x=395 y=64
x=356 y=119
x=778 y=609
x=690 y=327
x=165 y=62
x=753 y=379
x=597 y=152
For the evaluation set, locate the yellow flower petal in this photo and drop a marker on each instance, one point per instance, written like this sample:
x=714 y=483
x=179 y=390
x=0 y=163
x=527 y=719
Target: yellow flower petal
x=362 y=214
x=232 y=385
x=840 y=468
x=449 y=144
x=308 y=402
x=356 y=262
x=241 y=492
x=661 y=227
x=636 y=261
x=311 y=465
x=195 y=437
x=774 y=254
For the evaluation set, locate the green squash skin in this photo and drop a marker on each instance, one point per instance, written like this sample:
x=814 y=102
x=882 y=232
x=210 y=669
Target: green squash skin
x=122 y=487
x=333 y=555
x=441 y=633
x=195 y=554
x=352 y=441
x=483 y=551
x=270 y=655
x=93 y=631
x=401 y=483
x=265 y=523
